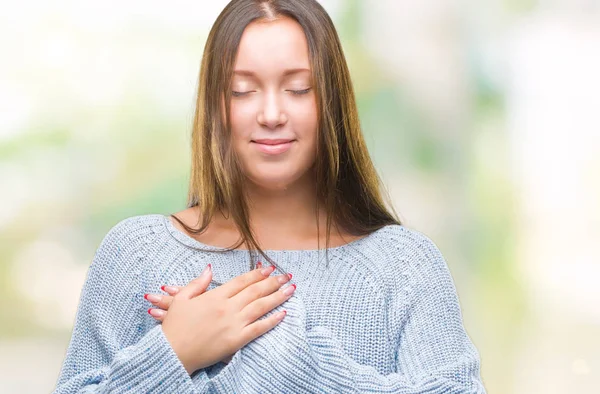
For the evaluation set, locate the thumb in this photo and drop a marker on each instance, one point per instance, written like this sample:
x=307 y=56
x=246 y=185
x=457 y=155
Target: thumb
x=198 y=285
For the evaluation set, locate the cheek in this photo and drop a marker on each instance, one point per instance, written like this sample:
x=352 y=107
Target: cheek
x=304 y=119
x=243 y=120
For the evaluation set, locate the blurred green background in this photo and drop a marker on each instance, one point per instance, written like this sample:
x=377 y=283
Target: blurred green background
x=481 y=116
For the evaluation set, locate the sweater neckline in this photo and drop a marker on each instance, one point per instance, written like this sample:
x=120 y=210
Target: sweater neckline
x=194 y=243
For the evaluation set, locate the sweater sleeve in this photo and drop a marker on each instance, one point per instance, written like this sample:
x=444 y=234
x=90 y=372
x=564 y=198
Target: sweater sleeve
x=108 y=351
x=433 y=354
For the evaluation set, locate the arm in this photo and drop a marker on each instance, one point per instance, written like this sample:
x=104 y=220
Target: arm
x=107 y=352
x=434 y=353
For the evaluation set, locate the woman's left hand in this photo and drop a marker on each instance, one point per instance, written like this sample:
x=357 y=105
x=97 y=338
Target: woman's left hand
x=163 y=302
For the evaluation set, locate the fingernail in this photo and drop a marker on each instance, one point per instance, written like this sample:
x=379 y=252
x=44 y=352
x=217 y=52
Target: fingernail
x=283 y=279
x=206 y=269
x=290 y=275
x=259 y=265
x=267 y=271
x=156 y=312
x=153 y=297
x=280 y=315
x=289 y=290
x=169 y=289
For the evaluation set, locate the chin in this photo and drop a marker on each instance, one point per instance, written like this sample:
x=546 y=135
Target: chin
x=273 y=182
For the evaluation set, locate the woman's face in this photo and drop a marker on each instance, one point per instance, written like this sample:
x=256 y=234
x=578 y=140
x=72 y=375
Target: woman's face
x=273 y=104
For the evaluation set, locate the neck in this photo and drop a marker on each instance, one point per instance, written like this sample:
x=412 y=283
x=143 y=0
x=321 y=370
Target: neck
x=286 y=211
x=279 y=215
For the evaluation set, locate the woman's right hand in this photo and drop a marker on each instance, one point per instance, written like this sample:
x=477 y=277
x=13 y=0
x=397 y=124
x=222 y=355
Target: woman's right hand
x=204 y=327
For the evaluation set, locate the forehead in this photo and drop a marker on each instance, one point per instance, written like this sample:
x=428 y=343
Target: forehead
x=271 y=47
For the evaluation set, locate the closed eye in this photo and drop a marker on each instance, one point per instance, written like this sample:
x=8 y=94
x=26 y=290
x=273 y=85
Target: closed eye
x=238 y=94
x=296 y=92
x=300 y=91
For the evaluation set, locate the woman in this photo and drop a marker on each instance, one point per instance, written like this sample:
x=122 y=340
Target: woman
x=279 y=166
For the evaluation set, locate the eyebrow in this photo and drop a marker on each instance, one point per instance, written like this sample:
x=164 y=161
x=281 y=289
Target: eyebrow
x=289 y=71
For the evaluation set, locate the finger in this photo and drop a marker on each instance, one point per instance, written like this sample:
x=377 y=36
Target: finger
x=159 y=300
x=240 y=282
x=258 y=290
x=259 y=327
x=172 y=290
x=197 y=286
x=262 y=306
x=157 y=314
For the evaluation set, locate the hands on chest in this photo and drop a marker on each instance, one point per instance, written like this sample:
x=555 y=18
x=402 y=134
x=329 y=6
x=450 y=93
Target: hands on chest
x=205 y=327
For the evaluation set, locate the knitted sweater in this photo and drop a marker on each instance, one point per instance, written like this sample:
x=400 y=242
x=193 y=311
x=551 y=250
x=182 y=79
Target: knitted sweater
x=382 y=316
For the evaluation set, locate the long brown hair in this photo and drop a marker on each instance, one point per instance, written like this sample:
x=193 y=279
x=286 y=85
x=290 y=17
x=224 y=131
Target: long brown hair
x=347 y=182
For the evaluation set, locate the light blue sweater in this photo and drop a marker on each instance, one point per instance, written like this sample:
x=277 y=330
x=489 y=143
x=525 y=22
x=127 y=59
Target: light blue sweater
x=383 y=317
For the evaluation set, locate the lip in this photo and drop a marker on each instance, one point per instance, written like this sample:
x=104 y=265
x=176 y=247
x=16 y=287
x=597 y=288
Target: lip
x=266 y=141
x=273 y=147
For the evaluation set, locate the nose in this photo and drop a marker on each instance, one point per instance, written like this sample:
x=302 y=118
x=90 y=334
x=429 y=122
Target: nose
x=271 y=114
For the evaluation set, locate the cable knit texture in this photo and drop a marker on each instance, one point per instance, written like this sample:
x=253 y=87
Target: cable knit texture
x=382 y=317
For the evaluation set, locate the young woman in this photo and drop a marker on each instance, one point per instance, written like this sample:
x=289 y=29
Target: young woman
x=279 y=168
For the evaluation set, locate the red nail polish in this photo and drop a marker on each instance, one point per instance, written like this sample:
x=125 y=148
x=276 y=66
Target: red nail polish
x=290 y=275
x=149 y=311
x=259 y=265
x=146 y=296
x=163 y=288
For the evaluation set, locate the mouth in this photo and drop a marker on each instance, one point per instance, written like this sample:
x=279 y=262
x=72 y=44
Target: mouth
x=273 y=141
x=273 y=147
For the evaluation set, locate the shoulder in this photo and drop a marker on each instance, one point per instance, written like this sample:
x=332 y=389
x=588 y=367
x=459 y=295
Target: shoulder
x=122 y=256
x=133 y=228
x=127 y=238
x=395 y=255
x=406 y=244
x=408 y=258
